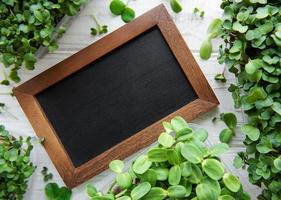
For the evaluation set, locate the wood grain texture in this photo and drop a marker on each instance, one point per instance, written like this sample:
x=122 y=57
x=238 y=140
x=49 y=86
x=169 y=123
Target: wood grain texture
x=25 y=93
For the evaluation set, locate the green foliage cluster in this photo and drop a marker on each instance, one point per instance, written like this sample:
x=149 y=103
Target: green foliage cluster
x=251 y=31
x=15 y=165
x=27 y=25
x=179 y=167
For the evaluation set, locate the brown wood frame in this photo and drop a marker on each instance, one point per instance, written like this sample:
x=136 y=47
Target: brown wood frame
x=26 y=92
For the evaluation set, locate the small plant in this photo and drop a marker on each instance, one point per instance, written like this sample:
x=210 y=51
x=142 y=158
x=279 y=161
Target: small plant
x=179 y=167
x=27 y=25
x=198 y=11
x=99 y=29
x=15 y=165
x=46 y=176
x=230 y=121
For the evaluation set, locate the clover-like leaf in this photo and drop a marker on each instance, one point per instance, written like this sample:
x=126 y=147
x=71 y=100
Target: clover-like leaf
x=252 y=132
x=277 y=163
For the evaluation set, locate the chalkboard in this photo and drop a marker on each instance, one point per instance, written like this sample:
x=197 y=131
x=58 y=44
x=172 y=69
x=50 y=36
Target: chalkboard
x=108 y=100
x=116 y=96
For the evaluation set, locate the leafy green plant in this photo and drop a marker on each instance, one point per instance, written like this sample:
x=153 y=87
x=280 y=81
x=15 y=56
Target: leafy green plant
x=27 y=25
x=54 y=192
x=251 y=34
x=15 y=165
x=178 y=167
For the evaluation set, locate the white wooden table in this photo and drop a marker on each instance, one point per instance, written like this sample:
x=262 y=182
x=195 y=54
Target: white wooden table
x=193 y=29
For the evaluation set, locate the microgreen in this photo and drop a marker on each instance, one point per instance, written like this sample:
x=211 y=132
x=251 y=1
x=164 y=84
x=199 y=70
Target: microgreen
x=46 y=176
x=180 y=166
x=15 y=165
x=98 y=29
x=198 y=11
x=251 y=50
x=118 y=7
x=27 y=25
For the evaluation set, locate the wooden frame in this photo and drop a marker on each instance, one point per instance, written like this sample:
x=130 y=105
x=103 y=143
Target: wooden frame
x=26 y=92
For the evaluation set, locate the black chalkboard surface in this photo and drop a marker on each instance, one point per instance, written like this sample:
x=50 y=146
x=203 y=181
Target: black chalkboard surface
x=116 y=96
x=109 y=100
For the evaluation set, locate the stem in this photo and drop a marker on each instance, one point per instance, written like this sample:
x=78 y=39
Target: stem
x=111 y=186
x=96 y=21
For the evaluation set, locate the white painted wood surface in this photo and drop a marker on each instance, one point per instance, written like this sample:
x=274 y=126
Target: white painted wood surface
x=193 y=29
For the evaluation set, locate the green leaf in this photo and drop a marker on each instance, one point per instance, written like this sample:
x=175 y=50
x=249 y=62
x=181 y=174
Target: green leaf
x=176 y=6
x=124 y=180
x=116 y=166
x=253 y=65
x=214 y=27
x=176 y=191
x=117 y=7
x=226 y=197
x=192 y=153
x=29 y=60
x=276 y=107
x=237 y=162
x=162 y=173
x=174 y=175
x=205 y=192
x=157 y=155
x=277 y=163
x=226 y=135
x=91 y=190
x=264 y=146
x=252 y=132
x=201 y=134
x=128 y=15
x=54 y=192
x=179 y=124
x=229 y=119
x=156 y=193
x=142 y=164
x=231 y=182
x=220 y=77
x=239 y=27
x=140 y=191
x=166 y=140
x=255 y=94
x=213 y=168
x=206 y=49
